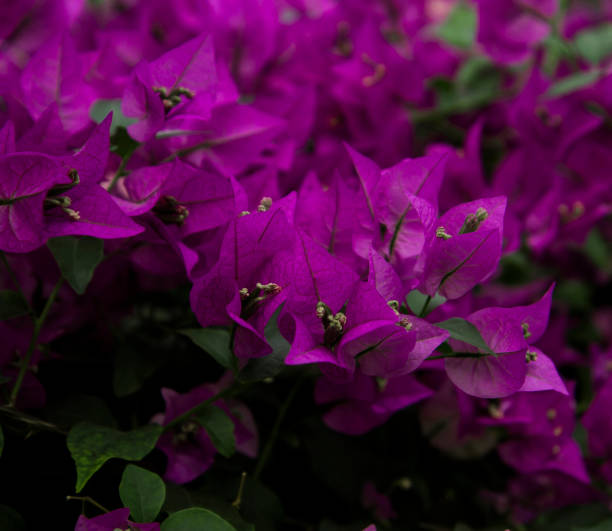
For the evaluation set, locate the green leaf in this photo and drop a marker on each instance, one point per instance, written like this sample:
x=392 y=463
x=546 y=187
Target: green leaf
x=465 y=331
x=11 y=305
x=143 y=492
x=100 y=109
x=91 y=446
x=11 y=520
x=598 y=250
x=214 y=341
x=595 y=43
x=416 y=301
x=272 y=364
x=194 y=519
x=574 y=82
x=220 y=429
x=77 y=259
x=459 y=28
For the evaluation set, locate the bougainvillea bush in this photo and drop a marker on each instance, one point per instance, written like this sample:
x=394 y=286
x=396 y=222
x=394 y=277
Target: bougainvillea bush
x=306 y=264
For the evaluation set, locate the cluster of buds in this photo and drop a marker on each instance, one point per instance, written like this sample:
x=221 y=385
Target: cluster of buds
x=171 y=99
x=170 y=211
x=251 y=298
x=333 y=324
x=264 y=204
x=473 y=221
x=54 y=199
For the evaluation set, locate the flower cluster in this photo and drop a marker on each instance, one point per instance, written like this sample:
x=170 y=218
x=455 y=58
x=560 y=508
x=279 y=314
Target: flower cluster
x=398 y=192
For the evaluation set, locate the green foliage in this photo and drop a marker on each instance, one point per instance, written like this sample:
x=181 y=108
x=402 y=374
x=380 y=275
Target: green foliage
x=214 y=341
x=100 y=109
x=220 y=429
x=196 y=518
x=77 y=259
x=416 y=301
x=595 y=43
x=459 y=28
x=465 y=331
x=573 y=82
x=91 y=446
x=143 y=492
x=11 y=305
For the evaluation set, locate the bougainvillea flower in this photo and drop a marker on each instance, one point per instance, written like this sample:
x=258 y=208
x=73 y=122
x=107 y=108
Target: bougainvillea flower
x=55 y=75
x=466 y=247
x=25 y=180
x=189 y=449
x=596 y=420
x=250 y=279
x=377 y=502
x=365 y=403
x=490 y=375
x=117 y=519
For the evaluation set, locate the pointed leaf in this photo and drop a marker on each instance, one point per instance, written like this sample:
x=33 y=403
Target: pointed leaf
x=214 y=341
x=91 y=446
x=77 y=259
x=220 y=429
x=143 y=492
x=459 y=27
x=465 y=331
x=196 y=518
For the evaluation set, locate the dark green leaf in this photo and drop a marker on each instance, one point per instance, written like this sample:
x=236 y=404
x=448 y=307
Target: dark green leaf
x=574 y=82
x=595 y=43
x=143 y=492
x=77 y=258
x=91 y=446
x=598 y=250
x=194 y=519
x=273 y=363
x=459 y=27
x=100 y=109
x=214 y=341
x=465 y=331
x=576 y=294
x=11 y=305
x=11 y=520
x=416 y=301
x=178 y=498
x=572 y=517
x=220 y=429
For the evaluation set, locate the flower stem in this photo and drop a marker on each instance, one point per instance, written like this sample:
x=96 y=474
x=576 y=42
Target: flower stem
x=38 y=324
x=88 y=499
x=265 y=454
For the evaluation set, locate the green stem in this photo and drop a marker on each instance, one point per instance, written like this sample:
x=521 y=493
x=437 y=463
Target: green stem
x=427 y=301
x=265 y=454
x=88 y=499
x=230 y=391
x=38 y=324
x=16 y=282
